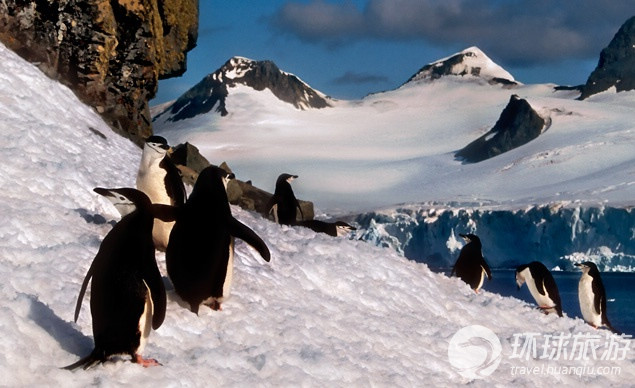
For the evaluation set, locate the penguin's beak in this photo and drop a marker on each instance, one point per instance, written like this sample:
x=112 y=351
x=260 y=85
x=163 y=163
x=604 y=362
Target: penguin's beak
x=103 y=192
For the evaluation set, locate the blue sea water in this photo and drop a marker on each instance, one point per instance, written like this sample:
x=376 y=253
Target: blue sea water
x=619 y=286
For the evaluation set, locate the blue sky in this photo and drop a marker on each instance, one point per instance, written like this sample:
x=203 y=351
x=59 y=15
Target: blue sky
x=347 y=49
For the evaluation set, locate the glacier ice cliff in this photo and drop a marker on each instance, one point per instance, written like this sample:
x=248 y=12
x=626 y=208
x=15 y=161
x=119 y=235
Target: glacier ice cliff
x=558 y=235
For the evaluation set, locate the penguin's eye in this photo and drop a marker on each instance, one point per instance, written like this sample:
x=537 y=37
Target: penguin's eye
x=121 y=198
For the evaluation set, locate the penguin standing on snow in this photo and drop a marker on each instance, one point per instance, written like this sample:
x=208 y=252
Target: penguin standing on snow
x=160 y=179
x=592 y=296
x=127 y=296
x=541 y=285
x=470 y=265
x=335 y=229
x=283 y=203
x=200 y=254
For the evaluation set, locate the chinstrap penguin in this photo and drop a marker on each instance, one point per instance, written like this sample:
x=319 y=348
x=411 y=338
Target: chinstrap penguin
x=592 y=296
x=283 y=203
x=335 y=229
x=542 y=286
x=160 y=179
x=127 y=296
x=200 y=253
x=470 y=266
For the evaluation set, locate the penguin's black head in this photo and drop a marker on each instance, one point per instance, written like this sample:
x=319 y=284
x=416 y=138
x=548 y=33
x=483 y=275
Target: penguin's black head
x=520 y=268
x=343 y=229
x=157 y=143
x=587 y=267
x=520 y=275
x=212 y=181
x=285 y=178
x=471 y=238
x=126 y=200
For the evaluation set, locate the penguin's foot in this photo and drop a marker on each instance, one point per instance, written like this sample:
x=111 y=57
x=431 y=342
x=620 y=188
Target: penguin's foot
x=145 y=362
x=545 y=309
x=215 y=305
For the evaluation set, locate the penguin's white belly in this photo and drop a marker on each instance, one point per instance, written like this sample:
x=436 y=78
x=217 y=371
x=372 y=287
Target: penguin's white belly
x=145 y=322
x=586 y=298
x=153 y=185
x=541 y=300
x=480 y=282
x=161 y=233
x=230 y=270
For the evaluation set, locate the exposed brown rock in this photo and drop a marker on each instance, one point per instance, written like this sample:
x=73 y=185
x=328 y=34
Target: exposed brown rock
x=244 y=194
x=111 y=53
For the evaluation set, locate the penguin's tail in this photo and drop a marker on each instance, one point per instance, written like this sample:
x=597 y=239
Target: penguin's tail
x=610 y=327
x=86 y=362
x=559 y=311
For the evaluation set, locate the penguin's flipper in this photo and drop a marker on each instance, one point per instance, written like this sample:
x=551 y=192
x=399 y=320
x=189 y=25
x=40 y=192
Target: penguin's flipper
x=165 y=213
x=486 y=269
x=243 y=232
x=550 y=284
x=154 y=282
x=599 y=303
x=82 y=291
x=173 y=182
x=610 y=327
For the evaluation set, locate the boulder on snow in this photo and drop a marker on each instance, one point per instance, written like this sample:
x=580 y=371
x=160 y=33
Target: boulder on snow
x=190 y=162
x=518 y=124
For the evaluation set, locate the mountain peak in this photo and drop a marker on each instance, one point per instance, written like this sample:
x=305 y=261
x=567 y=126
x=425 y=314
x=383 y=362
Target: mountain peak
x=212 y=91
x=471 y=62
x=616 y=67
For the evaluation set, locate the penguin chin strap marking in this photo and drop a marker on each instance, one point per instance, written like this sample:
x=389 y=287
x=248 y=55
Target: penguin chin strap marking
x=156 y=149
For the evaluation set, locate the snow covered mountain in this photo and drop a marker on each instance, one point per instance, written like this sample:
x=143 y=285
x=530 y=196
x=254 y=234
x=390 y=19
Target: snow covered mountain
x=325 y=311
x=210 y=94
x=470 y=63
x=399 y=146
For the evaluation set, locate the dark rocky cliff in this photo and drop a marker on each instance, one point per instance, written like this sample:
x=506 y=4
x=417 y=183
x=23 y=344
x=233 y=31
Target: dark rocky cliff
x=111 y=53
x=616 y=67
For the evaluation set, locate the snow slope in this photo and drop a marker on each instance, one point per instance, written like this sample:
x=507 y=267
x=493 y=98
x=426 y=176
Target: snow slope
x=325 y=311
